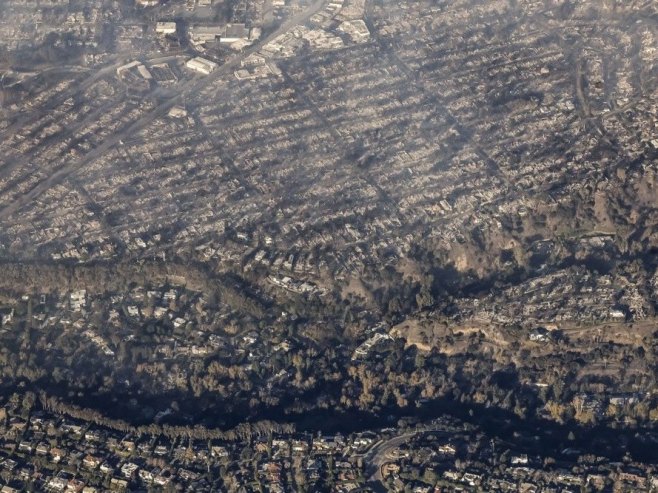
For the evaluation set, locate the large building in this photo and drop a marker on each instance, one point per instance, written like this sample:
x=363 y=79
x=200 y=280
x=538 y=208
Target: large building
x=165 y=27
x=233 y=33
x=205 y=34
x=201 y=65
x=229 y=33
x=135 y=75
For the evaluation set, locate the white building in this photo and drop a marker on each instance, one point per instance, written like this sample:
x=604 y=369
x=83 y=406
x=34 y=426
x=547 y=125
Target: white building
x=205 y=34
x=201 y=65
x=165 y=27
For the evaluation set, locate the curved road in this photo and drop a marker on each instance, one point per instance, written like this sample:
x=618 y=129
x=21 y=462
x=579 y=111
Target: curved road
x=378 y=455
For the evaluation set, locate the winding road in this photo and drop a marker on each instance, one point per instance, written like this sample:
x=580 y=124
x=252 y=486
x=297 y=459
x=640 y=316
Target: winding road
x=378 y=455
